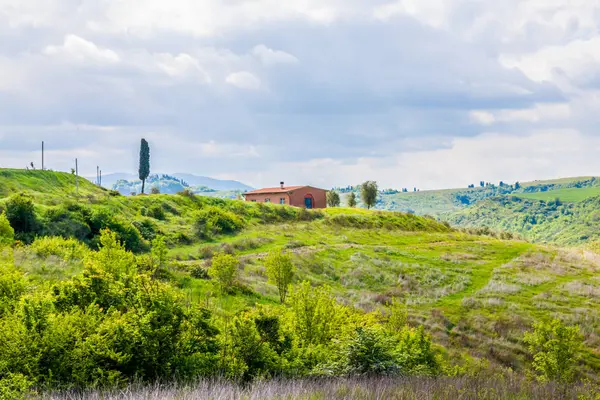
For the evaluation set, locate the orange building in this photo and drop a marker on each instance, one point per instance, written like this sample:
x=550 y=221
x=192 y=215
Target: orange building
x=296 y=196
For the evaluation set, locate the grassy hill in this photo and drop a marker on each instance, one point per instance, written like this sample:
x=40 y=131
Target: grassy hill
x=47 y=183
x=81 y=309
x=442 y=202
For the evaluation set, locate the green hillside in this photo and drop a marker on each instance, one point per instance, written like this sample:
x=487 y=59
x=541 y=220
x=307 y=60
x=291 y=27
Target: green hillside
x=77 y=310
x=48 y=183
x=441 y=202
x=571 y=195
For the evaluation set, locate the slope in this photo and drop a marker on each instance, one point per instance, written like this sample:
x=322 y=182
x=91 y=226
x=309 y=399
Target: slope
x=44 y=183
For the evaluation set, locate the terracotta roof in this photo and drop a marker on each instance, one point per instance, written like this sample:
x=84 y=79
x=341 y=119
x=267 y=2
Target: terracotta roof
x=286 y=189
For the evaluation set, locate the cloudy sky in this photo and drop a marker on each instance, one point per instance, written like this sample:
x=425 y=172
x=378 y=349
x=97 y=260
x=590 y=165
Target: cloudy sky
x=427 y=93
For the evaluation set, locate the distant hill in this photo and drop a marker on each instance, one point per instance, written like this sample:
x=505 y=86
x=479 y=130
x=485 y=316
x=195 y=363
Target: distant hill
x=110 y=180
x=217 y=184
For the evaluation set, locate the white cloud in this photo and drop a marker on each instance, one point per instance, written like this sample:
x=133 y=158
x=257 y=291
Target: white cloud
x=182 y=66
x=270 y=57
x=243 y=80
x=539 y=113
x=78 y=50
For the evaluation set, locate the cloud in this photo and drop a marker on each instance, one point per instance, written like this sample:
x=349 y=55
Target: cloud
x=80 y=51
x=271 y=57
x=243 y=80
x=355 y=88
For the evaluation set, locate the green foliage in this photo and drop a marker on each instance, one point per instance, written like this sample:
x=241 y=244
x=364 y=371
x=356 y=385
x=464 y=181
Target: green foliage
x=15 y=387
x=333 y=198
x=7 y=233
x=126 y=232
x=68 y=220
x=224 y=270
x=248 y=352
x=414 y=352
x=314 y=314
x=157 y=212
x=108 y=326
x=22 y=216
x=12 y=286
x=368 y=193
x=556 y=349
x=352 y=200
x=66 y=249
x=213 y=220
x=280 y=271
x=368 y=351
x=144 y=169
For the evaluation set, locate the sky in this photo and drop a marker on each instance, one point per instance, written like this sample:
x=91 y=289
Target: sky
x=425 y=93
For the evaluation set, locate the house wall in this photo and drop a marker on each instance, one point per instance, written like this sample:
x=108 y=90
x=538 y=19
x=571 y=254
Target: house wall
x=319 y=195
x=261 y=197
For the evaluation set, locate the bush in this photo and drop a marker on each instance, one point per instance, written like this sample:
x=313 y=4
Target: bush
x=7 y=233
x=280 y=271
x=21 y=214
x=214 y=220
x=66 y=249
x=68 y=221
x=199 y=272
x=126 y=232
x=147 y=228
x=555 y=349
x=157 y=212
x=369 y=352
x=224 y=269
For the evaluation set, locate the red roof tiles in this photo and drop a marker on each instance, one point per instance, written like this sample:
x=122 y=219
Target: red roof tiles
x=285 y=189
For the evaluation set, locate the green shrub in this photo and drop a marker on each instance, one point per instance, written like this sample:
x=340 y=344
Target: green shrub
x=214 y=220
x=15 y=387
x=414 y=352
x=224 y=270
x=157 y=212
x=147 y=228
x=21 y=213
x=7 y=233
x=368 y=351
x=68 y=222
x=280 y=271
x=126 y=232
x=67 y=249
x=555 y=349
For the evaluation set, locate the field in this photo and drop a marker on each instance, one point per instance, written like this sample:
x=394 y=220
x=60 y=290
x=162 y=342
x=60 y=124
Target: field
x=479 y=388
x=474 y=295
x=572 y=195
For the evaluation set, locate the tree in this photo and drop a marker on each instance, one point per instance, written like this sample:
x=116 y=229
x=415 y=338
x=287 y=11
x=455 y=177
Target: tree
x=20 y=212
x=333 y=199
x=517 y=186
x=555 y=349
x=368 y=193
x=224 y=269
x=280 y=271
x=155 y=190
x=144 y=170
x=352 y=200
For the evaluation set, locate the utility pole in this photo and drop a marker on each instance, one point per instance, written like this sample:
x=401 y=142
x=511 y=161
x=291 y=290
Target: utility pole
x=100 y=178
x=76 y=178
x=42 y=155
x=97 y=175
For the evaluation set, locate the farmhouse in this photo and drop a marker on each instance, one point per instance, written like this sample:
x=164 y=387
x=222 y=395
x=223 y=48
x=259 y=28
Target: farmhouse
x=297 y=196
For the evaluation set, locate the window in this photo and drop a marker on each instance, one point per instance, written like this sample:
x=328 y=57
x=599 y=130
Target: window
x=282 y=200
x=267 y=200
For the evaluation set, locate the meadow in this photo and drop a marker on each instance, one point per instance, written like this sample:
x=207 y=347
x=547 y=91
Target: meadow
x=571 y=195
x=104 y=290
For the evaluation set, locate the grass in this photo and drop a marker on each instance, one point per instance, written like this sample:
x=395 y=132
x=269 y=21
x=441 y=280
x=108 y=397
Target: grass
x=469 y=388
x=571 y=195
x=477 y=295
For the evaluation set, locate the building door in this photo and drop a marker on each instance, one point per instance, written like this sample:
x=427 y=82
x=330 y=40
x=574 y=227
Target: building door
x=308 y=201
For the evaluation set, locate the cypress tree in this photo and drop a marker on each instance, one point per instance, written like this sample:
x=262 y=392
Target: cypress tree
x=144 y=170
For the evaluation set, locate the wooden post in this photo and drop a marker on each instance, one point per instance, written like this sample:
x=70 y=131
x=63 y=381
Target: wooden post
x=42 y=155
x=76 y=178
x=100 y=178
x=97 y=175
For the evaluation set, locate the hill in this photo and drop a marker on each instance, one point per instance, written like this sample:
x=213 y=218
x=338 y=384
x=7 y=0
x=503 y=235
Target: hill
x=83 y=311
x=110 y=180
x=45 y=183
x=441 y=202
